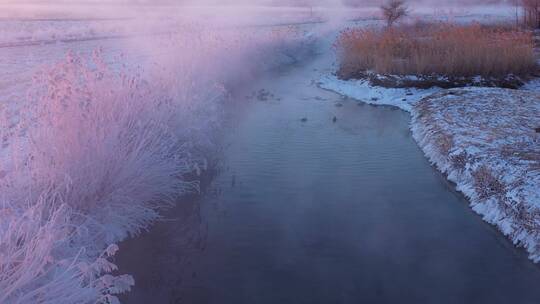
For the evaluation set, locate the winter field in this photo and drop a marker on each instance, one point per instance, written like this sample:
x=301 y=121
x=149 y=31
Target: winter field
x=108 y=118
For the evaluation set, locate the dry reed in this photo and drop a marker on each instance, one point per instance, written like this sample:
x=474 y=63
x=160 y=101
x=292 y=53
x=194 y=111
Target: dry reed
x=437 y=50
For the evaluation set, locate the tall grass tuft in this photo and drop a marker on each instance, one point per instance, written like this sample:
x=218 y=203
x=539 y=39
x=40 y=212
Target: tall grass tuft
x=436 y=50
x=107 y=135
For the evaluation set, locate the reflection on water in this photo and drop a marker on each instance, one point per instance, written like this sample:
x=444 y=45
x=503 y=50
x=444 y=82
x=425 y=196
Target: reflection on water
x=317 y=211
x=163 y=274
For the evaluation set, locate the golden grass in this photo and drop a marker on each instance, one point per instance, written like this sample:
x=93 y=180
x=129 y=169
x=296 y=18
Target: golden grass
x=437 y=49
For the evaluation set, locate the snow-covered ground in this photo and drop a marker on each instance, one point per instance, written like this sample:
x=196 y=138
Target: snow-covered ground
x=403 y=98
x=43 y=24
x=466 y=13
x=487 y=141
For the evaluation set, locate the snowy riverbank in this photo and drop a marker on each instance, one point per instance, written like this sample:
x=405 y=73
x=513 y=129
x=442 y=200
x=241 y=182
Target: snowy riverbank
x=403 y=98
x=487 y=142
x=484 y=139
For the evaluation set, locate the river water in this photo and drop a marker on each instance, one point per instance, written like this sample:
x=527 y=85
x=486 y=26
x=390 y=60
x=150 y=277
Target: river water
x=305 y=208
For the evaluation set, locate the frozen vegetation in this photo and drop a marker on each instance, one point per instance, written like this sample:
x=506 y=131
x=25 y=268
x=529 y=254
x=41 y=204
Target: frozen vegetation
x=487 y=141
x=97 y=148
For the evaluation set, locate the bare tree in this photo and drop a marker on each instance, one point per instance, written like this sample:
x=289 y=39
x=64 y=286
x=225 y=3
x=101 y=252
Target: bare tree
x=531 y=14
x=393 y=10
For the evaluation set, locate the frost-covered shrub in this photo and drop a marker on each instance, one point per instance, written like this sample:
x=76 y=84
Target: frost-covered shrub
x=101 y=139
x=92 y=159
x=97 y=150
x=38 y=265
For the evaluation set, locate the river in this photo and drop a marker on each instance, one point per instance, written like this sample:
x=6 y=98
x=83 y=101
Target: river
x=321 y=199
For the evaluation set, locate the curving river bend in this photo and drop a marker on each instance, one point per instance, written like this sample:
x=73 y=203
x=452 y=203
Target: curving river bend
x=305 y=209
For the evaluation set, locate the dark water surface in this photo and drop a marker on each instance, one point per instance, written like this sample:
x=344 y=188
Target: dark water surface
x=324 y=212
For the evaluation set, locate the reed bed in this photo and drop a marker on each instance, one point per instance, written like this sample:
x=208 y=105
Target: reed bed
x=443 y=49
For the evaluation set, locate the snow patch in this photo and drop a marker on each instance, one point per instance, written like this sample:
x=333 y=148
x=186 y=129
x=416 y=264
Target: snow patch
x=403 y=98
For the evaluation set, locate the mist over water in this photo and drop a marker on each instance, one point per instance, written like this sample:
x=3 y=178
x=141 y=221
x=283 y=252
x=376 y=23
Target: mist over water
x=112 y=110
